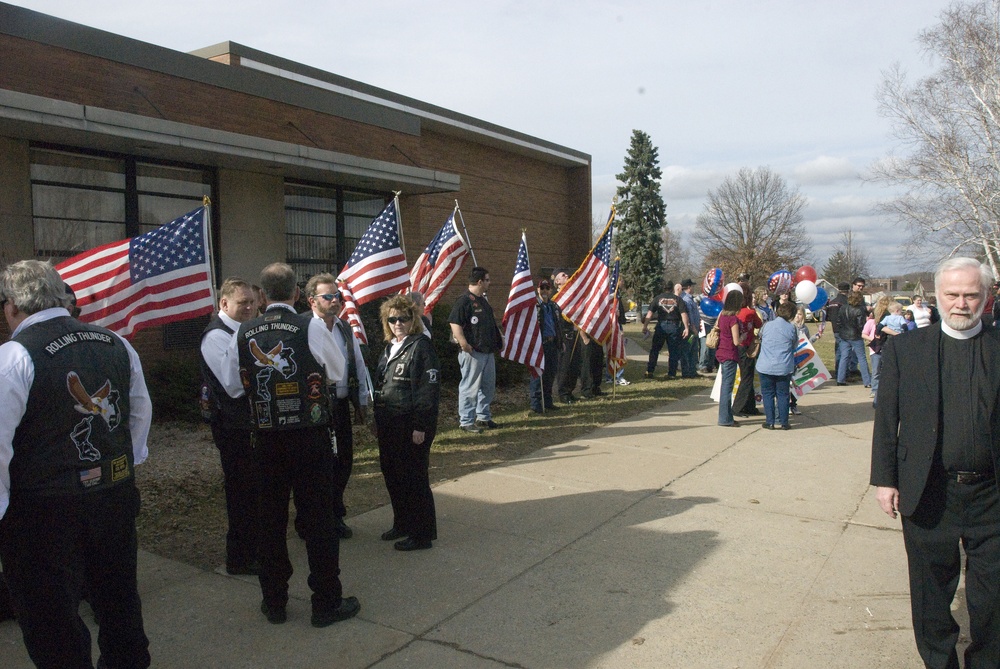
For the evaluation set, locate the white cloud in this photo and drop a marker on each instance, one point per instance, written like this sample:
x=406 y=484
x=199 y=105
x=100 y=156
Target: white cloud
x=825 y=170
x=683 y=183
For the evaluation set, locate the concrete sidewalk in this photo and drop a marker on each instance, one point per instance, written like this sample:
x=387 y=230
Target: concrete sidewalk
x=659 y=541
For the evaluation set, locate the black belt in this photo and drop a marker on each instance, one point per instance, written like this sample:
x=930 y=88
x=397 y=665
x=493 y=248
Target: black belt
x=969 y=478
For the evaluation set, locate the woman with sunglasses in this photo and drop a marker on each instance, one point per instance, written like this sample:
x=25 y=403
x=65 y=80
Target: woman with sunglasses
x=407 y=393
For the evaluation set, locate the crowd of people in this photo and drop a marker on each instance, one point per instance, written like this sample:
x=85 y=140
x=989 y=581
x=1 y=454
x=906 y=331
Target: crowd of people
x=281 y=390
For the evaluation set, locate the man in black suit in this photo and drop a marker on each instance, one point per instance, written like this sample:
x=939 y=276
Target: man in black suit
x=935 y=451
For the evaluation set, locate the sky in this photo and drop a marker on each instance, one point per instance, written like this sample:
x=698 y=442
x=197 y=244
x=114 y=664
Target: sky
x=717 y=86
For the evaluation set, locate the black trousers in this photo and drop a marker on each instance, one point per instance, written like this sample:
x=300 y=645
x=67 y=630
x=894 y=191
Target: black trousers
x=950 y=513
x=593 y=368
x=405 y=468
x=745 y=400
x=49 y=546
x=298 y=461
x=551 y=349
x=242 y=487
x=344 y=461
x=570 y=364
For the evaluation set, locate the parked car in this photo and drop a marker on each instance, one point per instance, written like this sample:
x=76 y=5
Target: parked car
x=631 y=316
x=905 y=300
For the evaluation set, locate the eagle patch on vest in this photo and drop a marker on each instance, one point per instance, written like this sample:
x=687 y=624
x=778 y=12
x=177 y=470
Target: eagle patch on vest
x=103 y=403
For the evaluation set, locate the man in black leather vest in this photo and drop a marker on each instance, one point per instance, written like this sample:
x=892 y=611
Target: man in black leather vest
x=285 y=362
x=230 y=421
x=75 y=420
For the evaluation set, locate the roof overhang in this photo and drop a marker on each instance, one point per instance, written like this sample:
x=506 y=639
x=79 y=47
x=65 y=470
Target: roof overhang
x=42 y=119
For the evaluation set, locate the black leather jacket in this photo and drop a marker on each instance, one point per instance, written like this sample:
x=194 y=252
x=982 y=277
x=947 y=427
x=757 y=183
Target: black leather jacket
x=408 y=385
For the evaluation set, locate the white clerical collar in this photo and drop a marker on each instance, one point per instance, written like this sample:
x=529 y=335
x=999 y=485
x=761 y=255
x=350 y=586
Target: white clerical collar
x=962 y=334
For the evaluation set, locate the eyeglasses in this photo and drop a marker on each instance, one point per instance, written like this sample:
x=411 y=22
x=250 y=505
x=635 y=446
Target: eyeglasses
x=329 y=296
x=398 y=319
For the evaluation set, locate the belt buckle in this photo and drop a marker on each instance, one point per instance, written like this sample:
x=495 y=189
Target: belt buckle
x=970 y=478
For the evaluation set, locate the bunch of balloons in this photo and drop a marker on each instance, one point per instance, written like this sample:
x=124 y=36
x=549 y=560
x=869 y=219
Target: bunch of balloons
x=806 y=290
x=803 y=281
x=712 y=293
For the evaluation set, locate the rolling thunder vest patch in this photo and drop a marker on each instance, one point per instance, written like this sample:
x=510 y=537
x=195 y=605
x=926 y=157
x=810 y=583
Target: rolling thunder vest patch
x=74 y=436
x=285 y=383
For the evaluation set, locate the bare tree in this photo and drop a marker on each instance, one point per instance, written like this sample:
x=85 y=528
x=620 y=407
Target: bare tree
x=752 y=223
x=847 y=262
x=950 y=124
x=677 y=264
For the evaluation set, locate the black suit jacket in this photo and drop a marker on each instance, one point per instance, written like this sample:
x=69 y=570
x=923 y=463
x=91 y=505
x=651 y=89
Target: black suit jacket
x=907 y=412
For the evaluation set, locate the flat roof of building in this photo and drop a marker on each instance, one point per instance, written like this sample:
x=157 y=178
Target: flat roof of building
x=268 y=76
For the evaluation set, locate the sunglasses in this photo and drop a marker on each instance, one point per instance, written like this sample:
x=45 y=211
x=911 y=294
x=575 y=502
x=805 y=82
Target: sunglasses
x=329 y=296
x=398 y=319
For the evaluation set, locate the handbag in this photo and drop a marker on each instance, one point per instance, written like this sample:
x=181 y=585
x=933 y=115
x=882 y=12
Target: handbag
x=712 y=338
x=754 y=347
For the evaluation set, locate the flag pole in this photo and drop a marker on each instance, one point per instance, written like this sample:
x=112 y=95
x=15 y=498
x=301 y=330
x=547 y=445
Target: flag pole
x=207 y=203
x=466 y=231
x=399 y=220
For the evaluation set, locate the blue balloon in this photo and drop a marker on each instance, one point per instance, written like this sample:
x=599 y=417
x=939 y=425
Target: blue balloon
x=820 y=300
x=710 y=307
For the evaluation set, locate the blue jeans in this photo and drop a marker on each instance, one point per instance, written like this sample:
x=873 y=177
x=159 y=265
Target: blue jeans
x=728 y=370
x=844 y=350
x=669 y=334
x=476 y=389
x=707 y=362
x=852 y=359
x=876 y=363
x=694 y=353
x=775 y=388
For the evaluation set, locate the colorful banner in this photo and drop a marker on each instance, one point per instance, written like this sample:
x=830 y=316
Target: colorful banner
x=810 y=372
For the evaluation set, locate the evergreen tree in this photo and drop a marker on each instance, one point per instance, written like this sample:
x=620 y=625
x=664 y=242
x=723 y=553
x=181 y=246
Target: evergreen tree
x=847 y=262
x=640 y=221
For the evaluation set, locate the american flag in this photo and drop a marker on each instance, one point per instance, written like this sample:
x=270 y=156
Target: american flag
x=616 y=342
x=584 y=299
x=162 y=276
x=521 y=332
x=349 y=312
x=377 y=267
x=439 y=263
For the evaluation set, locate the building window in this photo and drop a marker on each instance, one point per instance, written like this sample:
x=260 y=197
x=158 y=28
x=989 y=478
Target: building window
x=82 y=200
x=78 y=202
x=324 y=224
x=165 y=192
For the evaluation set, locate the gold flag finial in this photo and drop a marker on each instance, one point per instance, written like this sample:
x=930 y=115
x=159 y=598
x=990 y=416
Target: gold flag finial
x=205 y=201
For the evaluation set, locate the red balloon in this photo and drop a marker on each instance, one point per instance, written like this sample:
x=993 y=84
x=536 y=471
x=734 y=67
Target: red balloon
x=805 y=273
x=718 y=297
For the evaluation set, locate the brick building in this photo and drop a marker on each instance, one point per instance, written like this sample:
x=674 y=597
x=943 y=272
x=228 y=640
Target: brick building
x=103 y=137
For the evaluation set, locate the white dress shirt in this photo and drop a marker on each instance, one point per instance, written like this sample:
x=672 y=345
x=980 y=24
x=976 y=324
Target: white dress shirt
x=359 y=361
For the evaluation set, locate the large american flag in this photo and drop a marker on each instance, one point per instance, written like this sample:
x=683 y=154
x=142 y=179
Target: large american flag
x=521 y=332
x=439 y=263
x=349 y=312
x=162 y=276
x=377 y=267
x=585 y=299
x=616 y=342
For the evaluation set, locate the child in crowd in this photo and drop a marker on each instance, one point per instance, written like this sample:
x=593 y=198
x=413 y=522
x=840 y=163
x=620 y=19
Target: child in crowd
x=803 y=330
x=895 y=319
x=909 y=323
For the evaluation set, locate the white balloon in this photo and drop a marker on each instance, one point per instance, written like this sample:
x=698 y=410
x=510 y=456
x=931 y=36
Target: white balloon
x=805 y=292
x=731 y=286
